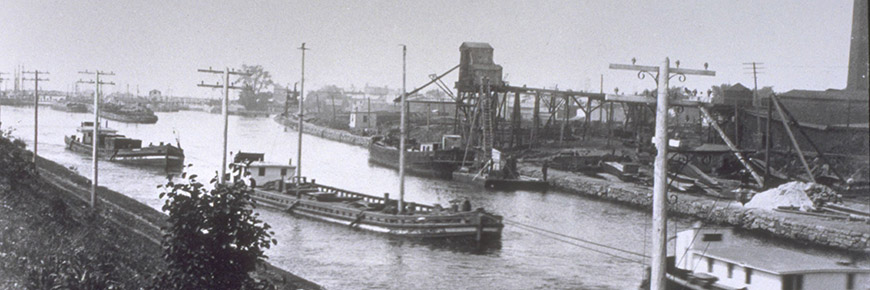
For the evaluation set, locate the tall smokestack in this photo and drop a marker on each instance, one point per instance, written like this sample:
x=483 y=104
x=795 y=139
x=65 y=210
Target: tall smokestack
x=859 y=67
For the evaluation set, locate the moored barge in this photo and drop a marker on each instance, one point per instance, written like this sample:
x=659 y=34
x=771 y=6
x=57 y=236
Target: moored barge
x=128 y=114
x=71 y=107
x=489 y=181
x=432 y=159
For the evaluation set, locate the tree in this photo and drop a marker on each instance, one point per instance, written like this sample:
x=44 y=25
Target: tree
x=252 y=96
x=214 y=240
x=258 y=78
x=254 y=101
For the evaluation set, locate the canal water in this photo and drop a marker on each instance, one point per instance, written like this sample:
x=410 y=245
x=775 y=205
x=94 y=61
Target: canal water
x=342 y=258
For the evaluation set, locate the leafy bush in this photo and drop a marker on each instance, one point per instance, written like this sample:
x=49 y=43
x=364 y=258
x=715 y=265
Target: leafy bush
x=46 y=244
x=17 y=169
x=214 y=239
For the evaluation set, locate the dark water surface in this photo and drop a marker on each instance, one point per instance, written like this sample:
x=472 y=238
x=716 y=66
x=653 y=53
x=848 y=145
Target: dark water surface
x=342 y=258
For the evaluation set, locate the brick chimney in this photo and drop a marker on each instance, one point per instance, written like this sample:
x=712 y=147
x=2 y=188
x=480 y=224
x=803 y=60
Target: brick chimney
x=859 y=67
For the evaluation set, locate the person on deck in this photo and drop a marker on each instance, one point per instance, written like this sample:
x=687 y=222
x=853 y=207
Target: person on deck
x=544 y=170
x=466 y=205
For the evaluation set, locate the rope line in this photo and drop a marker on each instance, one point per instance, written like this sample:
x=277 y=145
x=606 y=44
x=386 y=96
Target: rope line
x=583 y=247
x=533 y=228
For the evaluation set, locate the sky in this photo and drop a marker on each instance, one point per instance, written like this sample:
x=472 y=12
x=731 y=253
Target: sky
x=546 y=44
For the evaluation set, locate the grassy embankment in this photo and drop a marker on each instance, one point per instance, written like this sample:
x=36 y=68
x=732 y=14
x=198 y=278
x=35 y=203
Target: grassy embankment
x=49 y=240
x=49 y=236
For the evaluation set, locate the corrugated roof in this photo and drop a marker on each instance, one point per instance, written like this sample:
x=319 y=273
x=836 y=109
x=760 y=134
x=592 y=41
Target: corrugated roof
x=779 y=261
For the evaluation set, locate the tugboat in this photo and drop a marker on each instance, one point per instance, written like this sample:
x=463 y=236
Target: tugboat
x=128 y=114
x=118 y=148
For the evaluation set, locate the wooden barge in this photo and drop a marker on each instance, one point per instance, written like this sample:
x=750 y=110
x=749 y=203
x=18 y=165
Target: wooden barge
x=128 y=114
x=499 y=183
x=379 y=214
x=426 y=160
x=71 y=107
x=118 y=148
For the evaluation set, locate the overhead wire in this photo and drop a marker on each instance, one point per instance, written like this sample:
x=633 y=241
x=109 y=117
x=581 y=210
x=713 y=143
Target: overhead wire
x=568 y=240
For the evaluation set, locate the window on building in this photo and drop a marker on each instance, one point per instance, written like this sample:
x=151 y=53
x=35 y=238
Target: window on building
x=262 y=171
x=709 y=265
x=730 y=270
x=365 y=119
x=793 y=282
x=850 y=281
x=712 y=238
x=283 y=171
x=748 y=279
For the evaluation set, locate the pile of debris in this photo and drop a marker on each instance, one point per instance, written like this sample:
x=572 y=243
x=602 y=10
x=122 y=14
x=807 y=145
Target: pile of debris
x=805 y=196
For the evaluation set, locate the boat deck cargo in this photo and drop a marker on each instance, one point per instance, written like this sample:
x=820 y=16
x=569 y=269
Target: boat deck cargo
x=380 y=214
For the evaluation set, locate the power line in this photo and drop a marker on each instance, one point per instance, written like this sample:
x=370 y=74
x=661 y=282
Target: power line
x=531 y=228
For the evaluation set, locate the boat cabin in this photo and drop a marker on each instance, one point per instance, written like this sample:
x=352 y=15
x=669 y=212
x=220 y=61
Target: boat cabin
x=87 y=136
x=451 y=142
x=713 y=254
x=261 y=172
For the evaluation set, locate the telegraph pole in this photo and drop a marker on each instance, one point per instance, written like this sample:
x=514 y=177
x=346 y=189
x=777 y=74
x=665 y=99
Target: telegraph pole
x=755 y=67
x=96 y=134
x=402 y=134
x=757 y=102
x=301 y=122
x=226 y=103
x=660 y=180
x=35 y=80
x=4 y=93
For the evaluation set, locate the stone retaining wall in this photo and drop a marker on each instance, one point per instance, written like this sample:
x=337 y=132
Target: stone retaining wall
x=845 y=235
x=326 y=133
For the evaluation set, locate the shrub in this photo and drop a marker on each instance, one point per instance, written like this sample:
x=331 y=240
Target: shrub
x=18 y=167
x=214 y=240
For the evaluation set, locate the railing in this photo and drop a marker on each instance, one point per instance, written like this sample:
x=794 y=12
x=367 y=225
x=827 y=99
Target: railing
x=368 y=198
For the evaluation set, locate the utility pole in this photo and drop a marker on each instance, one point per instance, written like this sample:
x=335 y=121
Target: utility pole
x=35 y=80
x=301 y=119
x=756 y=102
x=402 y=133
x=226 y=103
x=4 y=93
x=96 y=134
x=755 y=67
x=660 y=180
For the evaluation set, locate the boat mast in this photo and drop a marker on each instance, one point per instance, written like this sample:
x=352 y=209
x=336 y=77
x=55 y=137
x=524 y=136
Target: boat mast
x=402 y=134
x=301 y=111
